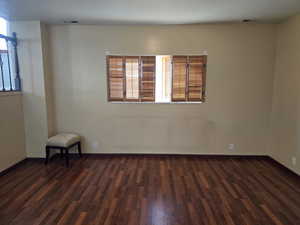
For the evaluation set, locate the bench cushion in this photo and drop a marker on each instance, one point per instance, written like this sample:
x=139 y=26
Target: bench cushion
x=63 y=140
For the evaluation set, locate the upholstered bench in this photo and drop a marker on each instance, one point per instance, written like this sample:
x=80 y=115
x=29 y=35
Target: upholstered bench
x=63 y=142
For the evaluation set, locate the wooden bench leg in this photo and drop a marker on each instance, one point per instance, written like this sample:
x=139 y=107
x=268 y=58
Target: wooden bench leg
x=47 y=155
x=79 y=149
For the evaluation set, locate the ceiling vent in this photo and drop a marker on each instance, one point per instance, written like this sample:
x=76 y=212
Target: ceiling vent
x=71 y=21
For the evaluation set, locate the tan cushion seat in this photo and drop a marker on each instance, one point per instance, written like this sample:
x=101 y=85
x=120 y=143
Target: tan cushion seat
x=63 y=140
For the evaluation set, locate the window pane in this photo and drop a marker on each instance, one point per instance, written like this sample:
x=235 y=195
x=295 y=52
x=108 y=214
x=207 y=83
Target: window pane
x=132 y=78
x=3 y=30
x=163 y=79
x=167 y=77
x=5 y=71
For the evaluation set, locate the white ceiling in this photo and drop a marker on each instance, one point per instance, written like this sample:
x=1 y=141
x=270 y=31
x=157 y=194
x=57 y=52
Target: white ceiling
x=148 y=11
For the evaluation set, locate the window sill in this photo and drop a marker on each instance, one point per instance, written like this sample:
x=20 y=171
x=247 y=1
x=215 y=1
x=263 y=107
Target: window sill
x=9 y=93
x=155 y=102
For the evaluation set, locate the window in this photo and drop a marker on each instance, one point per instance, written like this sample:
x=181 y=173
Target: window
x=3 y=31
x=160 y=79
x=8 y=60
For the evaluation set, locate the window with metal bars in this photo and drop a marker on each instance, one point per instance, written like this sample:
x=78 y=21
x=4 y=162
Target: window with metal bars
x=9 y=66
x=158 y=79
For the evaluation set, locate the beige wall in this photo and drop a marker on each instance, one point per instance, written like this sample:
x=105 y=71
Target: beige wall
x=285 y=119
x=64 y=83
x=239 y=89
x=12 y=137
x=33 y=79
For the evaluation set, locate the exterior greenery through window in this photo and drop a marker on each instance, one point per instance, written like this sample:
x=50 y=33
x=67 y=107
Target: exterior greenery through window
x=159 y=79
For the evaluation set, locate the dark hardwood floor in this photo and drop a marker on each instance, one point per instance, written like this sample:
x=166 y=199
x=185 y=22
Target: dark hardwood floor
x=150 y=190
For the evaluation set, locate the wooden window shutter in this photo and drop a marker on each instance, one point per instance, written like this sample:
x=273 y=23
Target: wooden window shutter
x=147 y=78
x=132 y=78
x=179 y=79
x=115 y=76
x=196 y=78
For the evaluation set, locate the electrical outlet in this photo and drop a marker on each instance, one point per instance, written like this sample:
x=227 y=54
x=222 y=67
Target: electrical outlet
x=294 y=161
x=231 y=147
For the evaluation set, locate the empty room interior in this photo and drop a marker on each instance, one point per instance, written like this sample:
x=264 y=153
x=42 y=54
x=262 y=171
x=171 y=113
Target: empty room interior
x=133 y=112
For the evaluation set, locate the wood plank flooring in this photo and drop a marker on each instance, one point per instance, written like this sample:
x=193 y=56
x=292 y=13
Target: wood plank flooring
x=150 y=190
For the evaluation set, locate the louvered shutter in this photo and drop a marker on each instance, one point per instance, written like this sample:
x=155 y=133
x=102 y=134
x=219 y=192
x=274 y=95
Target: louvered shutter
x=115 y=68
x=132 y=78
x=196 y=73
x=147 y=78
x=179 y=79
